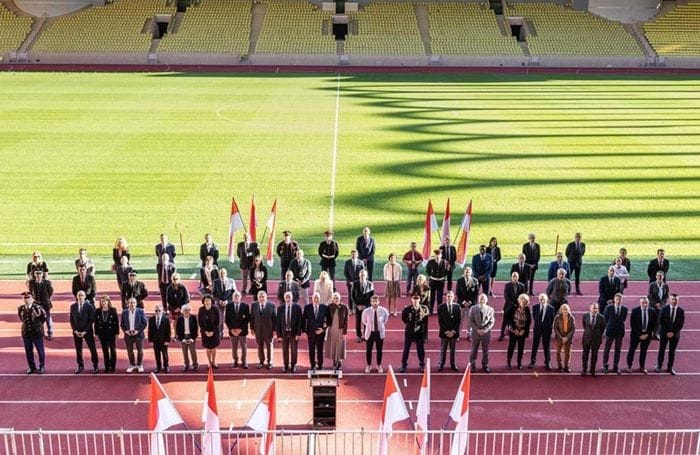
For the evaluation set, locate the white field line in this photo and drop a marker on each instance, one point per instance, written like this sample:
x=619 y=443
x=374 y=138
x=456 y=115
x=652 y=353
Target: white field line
x=199 y=402
x=334 y=160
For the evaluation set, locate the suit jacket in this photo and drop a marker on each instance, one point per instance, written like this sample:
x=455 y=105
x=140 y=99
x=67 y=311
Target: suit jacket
x=238 y=320
x=449 y=255
x=328 y=252
x=532 y=254
x=593 y=332
x=117 y=256
x=263 y=281
x=543 y=326
x=654 y=267
x=223 y=290
x=477 y=322
x=211 y=250
x=140 y=322
x=302 y=271
x=42 y=292
x=554 y=266
x=653 y=294
x=82 y=321
x=137 y=290
x=159 y=334
x=575 y=255
x=362 y=295
x=523 y=274
x=338 y=311
x=170 y=269
x=667 y=325
x=285 y=286
x=311 y=322
x=467 y=292
x=287 y=252
x=558 y=290
x=558 y=327
x=511 y=293
x=295 y=321
x=207 y=282
x=180 y=328
x=106 y=327
x=123 y=274
x=436 y=270
x=636 y=327
x=169 y=248
x=367 y=321
x=481 y=267
x=263 y=320
x=615 y=321
x=607 y=289
x=509 y=317
x=365 y=250
x=449 y=320
x=352 y=271
x=177 y=296
x=247 y=255
x=87 y=285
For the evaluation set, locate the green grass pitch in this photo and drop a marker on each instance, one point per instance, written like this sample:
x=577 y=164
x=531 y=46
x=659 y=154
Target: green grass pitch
x=89 y=157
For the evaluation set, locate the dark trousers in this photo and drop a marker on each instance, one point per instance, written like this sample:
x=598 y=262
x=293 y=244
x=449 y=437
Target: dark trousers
x=351 y=304
x=616 y=355
x=512 y=342
x=374 y=339
x=330 y=269
x=163 y=287
x=109 y=351
x=545 y=337
x=358 y=322
x=590 y=349
x=444 y=344
x=485 y=283
x=369 y=266
x=262 y=347
x=89 y=339
x=131 y=343
x=437 y=289
x=643 y=346
x=407 y=342
x=576 y=273
x=284 y=266
x=161 y=352
x=449 y=277
x=531 y=281
x=672 y=344
x=29 y=345
x=411 y=277
x=289 y=344
x=316 y=351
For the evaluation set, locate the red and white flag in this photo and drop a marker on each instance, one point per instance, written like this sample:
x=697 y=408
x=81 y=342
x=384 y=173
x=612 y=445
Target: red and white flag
x=463 y=242
x=253 y=221
x=423 y=411
x=211 y=438
x=264 y=420
x=271 y=226
x=393 y=411
x=446 y=223
x=430 y=227
x=235 y=225
x=460 y=414
x=161 y=416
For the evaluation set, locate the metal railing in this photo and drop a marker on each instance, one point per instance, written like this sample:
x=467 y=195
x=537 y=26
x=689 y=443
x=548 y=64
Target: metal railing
x=341 y=442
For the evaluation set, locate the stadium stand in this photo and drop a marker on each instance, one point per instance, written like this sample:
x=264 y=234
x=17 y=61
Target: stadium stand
x=676 y=33
x=467 y=29
x=13 y=30
x=294 y=27
x=563 y=31
x=216 y=26
x=119 y=27
x=385 y=28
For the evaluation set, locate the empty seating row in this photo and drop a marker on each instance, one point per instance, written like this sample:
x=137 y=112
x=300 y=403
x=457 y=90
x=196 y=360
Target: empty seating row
x=676 y=33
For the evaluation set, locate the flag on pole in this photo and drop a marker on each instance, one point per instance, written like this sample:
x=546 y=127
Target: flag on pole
x=460 y=414
x=463 y=242
x=271 y=225
x=253 y=221
x=236 y=225
x=211 y=438
x=423 y=411
x=430 y=227
x=161 y=416
x=393 y=410
x=446 y=222
x=264 y=420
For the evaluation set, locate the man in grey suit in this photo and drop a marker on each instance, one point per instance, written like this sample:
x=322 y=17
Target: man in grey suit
x=263 y=317
x=481 y=321
x=593 y=328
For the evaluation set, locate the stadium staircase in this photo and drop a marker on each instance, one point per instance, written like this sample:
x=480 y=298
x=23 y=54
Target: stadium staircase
x=256 y=24
x=37 y=27
x=14 y=29
x=677 y=33
x=422 y=15
x=637 y=32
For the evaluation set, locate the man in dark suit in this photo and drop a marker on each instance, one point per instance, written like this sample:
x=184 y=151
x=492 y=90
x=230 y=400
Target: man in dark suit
x=523 y=270
x=159 y=335
x=237 y=320
x=658 y=292
x=133 y=323
x=263 y=320
x=449 y=254
x=543 y=317
x=301 y=268
x=670 y=326
x=286 y=250
x=574 y=254
x=224 y=288
x=165 y=271
x=608 y=287
x=328 y=252
x=288 y=285
x=449 y=318
x=558 y=290
x=531 y=250
x=615 y=317
x=165 y=247
x=365 y=247
x=482 y=264
x=84 y=282
x=467 y=294
x=177 y=295
x=246 y=251
x=555 y=265
x=436 y=269
x=658 y=264
x=186 y=331
x=642 y=326
x=289 y=325
x=209 y=248
x=314 y=326
x=351 y=271
x=362 y=292
x=122 y=273
x=134 y=288
x=593 y=329
x=511 y=292
x=82 y=319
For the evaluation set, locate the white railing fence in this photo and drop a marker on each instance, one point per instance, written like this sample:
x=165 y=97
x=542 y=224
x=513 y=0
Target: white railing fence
x=523 y=442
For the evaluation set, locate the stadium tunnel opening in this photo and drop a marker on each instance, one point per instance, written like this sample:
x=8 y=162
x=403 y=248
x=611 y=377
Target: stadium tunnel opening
x=518 y=28
x=161 y=23
x=340 y=27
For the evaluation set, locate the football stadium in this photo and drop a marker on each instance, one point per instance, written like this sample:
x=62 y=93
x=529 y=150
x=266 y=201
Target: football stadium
x=351 y=227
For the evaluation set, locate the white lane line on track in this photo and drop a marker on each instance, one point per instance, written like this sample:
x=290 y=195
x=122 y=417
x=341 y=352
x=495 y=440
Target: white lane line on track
x=334 y=161
x=515 y=401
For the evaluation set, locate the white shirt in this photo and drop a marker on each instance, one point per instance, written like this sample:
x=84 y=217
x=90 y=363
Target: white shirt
x=187 y=325
x=392 y=274
x=132 y=320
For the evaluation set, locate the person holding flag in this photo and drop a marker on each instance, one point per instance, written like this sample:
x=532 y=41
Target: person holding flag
x=287 y=251
x=449 y=254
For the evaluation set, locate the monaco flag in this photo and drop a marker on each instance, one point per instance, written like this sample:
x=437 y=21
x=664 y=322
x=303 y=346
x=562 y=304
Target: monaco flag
x=271 y=226
x=236 y=225
x=253 y=221
x=446 y=222
x=393 y=410
x=264 y=420
x=423 y=411
x=211 y=438
x=463 y=242
x=161 y=416
x=460 y=414
x=430 y=227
